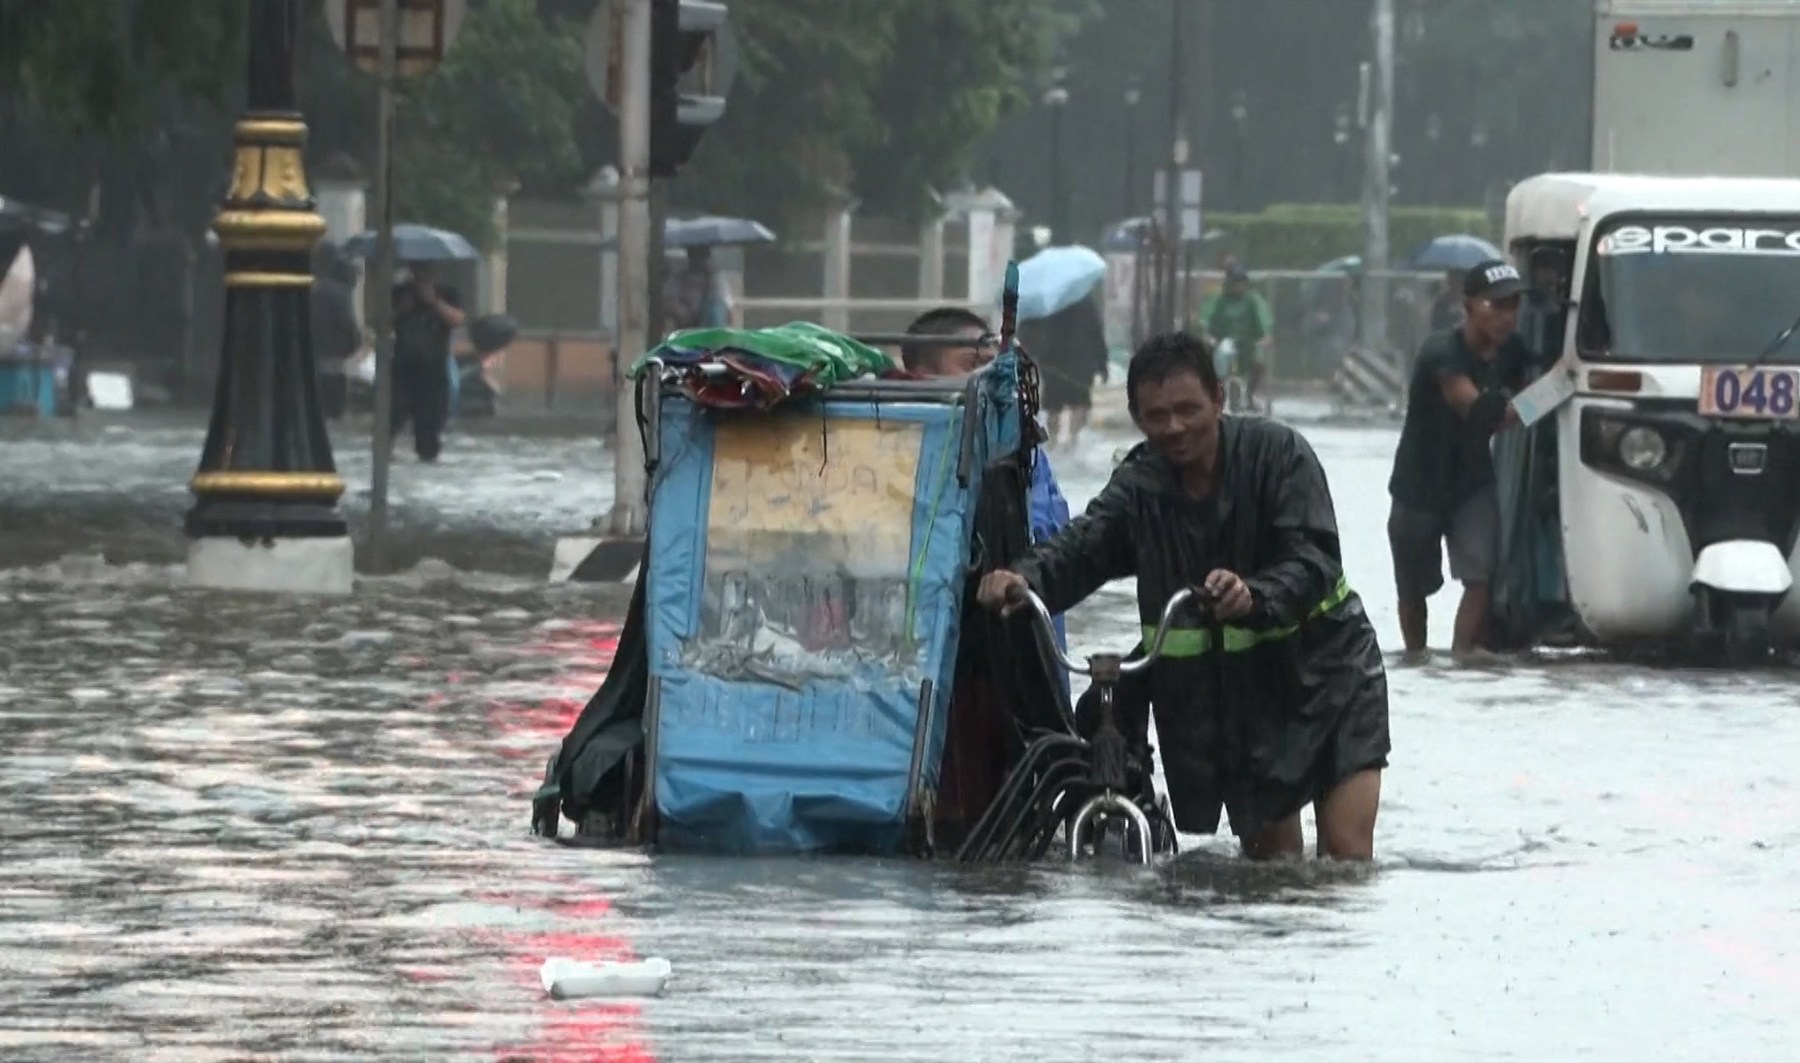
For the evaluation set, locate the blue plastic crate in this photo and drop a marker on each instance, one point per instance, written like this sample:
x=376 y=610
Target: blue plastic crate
x=29 y=385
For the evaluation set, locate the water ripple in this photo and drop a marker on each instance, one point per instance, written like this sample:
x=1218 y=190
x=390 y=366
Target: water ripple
x=238 y=827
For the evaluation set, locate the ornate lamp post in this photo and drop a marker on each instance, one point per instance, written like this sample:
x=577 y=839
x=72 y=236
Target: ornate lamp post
x=266 y=513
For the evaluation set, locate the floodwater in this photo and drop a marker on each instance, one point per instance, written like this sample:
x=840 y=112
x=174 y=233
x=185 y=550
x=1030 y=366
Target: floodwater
x=237 y=827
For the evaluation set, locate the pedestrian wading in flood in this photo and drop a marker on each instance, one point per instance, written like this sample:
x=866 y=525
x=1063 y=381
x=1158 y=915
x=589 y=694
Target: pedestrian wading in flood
x=1281 y=701
x=1443 y=484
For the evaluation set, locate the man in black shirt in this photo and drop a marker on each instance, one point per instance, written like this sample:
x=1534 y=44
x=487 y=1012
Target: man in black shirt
x=1443 y=483
x=425 y=314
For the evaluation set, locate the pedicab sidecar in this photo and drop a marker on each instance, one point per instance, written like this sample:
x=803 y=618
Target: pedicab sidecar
x=803 y=666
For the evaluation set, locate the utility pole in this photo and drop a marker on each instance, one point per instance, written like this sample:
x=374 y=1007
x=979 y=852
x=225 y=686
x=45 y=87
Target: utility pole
x=1178 y=151
x=380 y=42
x=663 y=67
x=1377 y=100
x=380 y=289
x=629 y=512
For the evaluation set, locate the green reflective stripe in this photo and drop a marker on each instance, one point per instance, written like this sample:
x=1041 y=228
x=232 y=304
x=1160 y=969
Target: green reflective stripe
x=1195 y=641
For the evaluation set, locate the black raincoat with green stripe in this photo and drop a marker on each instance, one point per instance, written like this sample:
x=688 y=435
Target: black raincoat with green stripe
x=1267 y=715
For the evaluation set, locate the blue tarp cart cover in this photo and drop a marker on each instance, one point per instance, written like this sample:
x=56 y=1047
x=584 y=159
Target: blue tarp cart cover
x=806 y=578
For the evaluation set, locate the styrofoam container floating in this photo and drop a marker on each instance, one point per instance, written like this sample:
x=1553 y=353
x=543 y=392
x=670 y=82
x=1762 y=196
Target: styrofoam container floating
x=567 y=979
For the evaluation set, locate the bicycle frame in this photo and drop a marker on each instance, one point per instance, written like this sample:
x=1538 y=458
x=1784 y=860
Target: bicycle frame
x=1110 y=750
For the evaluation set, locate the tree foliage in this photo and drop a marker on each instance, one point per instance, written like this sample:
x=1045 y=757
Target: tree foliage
x=1451 y=53
x=501 y=108
x=800 y=112
x=106 y=65
x=877 y=99
x=149 y=78
x=960 y=68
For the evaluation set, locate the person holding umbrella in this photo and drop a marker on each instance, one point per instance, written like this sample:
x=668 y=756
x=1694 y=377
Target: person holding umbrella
x=425 y=314
x=1061 y=327
x=696 y=297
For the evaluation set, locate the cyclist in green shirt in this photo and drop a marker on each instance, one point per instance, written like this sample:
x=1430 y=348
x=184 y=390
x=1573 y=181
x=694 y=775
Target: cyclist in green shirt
x=1242 y=316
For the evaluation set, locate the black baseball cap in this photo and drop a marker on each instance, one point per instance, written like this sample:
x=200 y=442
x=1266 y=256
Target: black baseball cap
x=1493 y=279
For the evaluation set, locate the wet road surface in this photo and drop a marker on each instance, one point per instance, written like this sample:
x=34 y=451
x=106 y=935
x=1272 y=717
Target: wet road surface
x=234 y=827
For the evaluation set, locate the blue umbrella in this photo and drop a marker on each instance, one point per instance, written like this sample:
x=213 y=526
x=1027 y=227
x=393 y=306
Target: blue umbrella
x=415 y=243
x=1057 y=278
x=1456 y=251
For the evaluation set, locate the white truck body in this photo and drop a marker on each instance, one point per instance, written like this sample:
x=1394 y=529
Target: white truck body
x=1697 y=87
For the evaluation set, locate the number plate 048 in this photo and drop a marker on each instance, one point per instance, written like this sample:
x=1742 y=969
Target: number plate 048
x=1751 y=393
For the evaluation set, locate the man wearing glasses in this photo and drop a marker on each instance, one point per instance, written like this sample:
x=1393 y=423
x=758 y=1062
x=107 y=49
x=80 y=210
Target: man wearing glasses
x=1443 y=484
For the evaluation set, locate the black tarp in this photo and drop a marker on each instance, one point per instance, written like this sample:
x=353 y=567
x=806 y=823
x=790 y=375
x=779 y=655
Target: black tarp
x=586 y=779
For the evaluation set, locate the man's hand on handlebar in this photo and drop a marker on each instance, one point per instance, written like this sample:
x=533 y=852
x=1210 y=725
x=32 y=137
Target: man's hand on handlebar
x=1230 y=597
x=1000 y=590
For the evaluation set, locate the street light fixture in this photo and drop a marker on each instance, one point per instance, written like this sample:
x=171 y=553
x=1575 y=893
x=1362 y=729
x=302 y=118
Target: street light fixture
x=1133 y=94
x=1240 y=121
x=1340 y=136
x=1055 y=98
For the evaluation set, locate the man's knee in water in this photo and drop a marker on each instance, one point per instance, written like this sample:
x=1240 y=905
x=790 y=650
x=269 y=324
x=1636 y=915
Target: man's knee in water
x=1346 y=817
x=1274 y=841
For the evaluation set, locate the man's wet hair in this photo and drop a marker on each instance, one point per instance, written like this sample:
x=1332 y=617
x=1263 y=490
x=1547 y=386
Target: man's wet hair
x=943 y=321
x=1161 y=357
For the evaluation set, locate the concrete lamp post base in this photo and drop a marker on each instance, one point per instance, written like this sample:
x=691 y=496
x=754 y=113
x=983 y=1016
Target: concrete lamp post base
x=281 y=566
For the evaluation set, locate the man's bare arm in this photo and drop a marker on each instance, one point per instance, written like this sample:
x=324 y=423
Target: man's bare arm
x=1460 y=392
x=1492 y=410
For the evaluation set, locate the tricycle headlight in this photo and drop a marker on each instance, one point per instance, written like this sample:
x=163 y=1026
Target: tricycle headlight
x=1642 y=449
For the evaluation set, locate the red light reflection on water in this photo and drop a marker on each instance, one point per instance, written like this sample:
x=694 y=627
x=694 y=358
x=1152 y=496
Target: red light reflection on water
x=528 y=732
x=590 y=1031
x=567 y=1031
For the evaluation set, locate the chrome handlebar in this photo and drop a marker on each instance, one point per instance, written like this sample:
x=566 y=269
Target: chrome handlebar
x=1047 y=630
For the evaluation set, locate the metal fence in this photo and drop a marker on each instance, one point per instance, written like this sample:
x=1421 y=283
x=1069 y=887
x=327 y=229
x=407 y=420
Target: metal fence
x=1315 y=348
x=1317 y=315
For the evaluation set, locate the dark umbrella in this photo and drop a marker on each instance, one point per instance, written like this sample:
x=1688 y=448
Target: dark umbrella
x=1456 y=251
x=415 y=243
